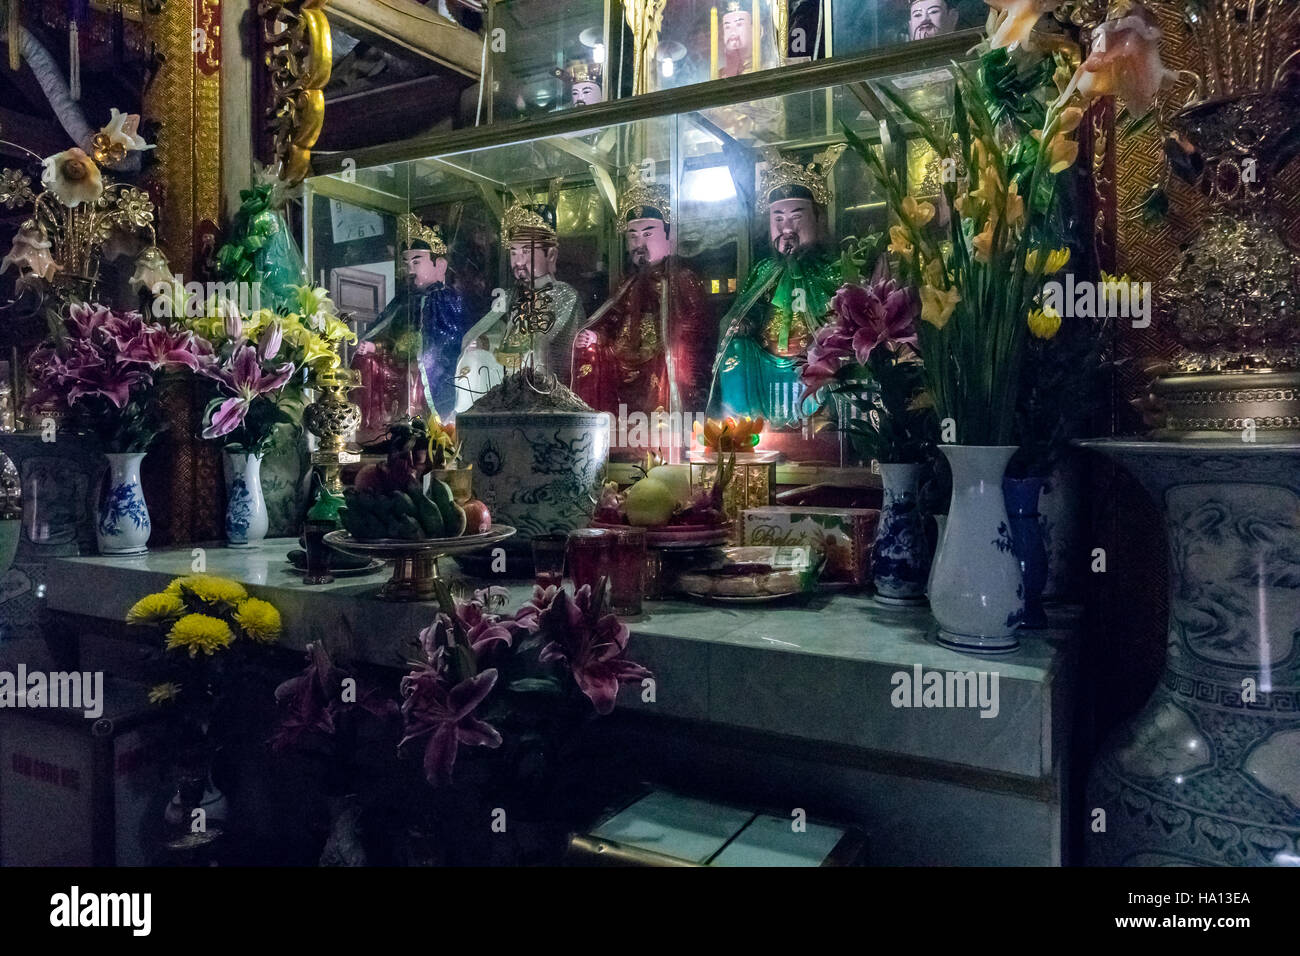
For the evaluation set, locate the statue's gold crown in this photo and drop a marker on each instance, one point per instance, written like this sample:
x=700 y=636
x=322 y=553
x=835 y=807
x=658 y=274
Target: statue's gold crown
x=640 y=192
x=523 y=221
x=582 y=71
x=410 y=231
x=814 y=177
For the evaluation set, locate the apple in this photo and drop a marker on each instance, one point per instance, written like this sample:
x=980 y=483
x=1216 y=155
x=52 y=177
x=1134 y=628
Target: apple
x=649 y=503
x=477 y=517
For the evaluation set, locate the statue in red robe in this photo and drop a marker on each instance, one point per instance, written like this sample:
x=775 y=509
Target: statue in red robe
x=649 y=347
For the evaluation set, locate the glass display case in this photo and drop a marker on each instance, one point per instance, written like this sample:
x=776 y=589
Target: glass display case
x=669 y=257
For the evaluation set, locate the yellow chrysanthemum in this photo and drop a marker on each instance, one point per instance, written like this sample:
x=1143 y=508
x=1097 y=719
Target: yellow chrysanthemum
x=260 y=620
x=164 y=693
x=211 y=327
x=208 y=588
x=917 y=213
x=156 y=609
x=1044 y=323
x=900 y=242
x=937 y=305
x=200 y=632
x=1057 y=259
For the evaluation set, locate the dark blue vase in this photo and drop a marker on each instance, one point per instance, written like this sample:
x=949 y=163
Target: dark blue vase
x=1027 y=542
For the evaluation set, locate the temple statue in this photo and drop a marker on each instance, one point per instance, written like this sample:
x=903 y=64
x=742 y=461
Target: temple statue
x=649 y=345
x=785 y=298
x=535 y=322
x=407 y=358
x=585 y=81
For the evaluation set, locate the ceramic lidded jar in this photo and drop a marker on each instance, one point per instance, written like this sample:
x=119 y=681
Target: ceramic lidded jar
x=537 y=451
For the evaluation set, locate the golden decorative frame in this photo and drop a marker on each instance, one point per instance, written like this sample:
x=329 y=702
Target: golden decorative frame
x=299 y=56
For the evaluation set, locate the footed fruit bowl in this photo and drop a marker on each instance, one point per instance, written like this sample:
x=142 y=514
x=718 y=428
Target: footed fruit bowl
x=415 y=562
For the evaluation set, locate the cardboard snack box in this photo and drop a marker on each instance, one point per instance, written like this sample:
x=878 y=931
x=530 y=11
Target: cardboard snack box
x=844 y=535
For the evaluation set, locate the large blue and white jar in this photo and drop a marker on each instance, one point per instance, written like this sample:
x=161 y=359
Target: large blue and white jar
x=1208 y=772
x=900 y=554
x=122 y=524
x=246 y=516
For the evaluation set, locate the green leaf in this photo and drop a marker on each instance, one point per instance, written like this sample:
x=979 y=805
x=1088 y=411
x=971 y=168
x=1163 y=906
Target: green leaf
x=536 y=685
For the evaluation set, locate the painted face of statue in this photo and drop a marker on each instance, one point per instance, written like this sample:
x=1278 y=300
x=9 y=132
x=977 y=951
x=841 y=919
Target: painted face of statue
x=422 y=269
x=737 y=32
x=532 y=260
x=647 y=242
x=930 y=18
x=793 y=224
x=585 y=93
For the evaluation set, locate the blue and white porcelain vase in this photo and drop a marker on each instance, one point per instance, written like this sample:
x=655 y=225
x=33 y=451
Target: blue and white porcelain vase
x=976 y=592
x=122 y=523
x=246 y=517
x=1208 y=772
x=1021 y=495
x=900 y=555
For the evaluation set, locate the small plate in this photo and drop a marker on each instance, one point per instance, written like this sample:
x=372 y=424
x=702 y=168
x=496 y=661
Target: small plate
x=374 y=565
x=747 y=598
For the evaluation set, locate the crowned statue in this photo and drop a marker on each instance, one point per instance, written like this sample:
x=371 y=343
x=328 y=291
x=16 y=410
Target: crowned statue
x=535 y=322
x=648 y=345
x=785 y=298
x=407 y=357
x=585 y=81
x=740 y=46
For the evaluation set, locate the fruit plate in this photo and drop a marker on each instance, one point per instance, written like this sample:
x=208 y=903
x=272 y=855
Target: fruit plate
x=671 y=537
x=415 y=563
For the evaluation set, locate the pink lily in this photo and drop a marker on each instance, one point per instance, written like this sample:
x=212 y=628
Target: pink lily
x=445 y=715
x=591 y=644
x=245 y=380
x=158 y=348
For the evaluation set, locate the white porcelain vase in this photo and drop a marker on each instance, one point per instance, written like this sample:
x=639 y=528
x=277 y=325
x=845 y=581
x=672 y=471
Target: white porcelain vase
x=976 y=592
x=122 y=523
x=246 y=518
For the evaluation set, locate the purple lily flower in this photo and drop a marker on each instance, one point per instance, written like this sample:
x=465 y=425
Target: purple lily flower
x=445 y=714
x=269 y=347
x=158 y=348
x=245 y=380
x=312 y=701
x=590 y=644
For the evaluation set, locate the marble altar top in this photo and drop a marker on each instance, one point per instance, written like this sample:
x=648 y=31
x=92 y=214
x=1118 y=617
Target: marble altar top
x=831 y=669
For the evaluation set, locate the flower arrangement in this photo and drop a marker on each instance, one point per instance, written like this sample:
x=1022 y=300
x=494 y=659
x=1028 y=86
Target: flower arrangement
x=1011 y=138
x=731 y=434
x=867 y=354
x=79 y=208
x=209 y=631
x=478 y=671
x=444 y=448
x=250 y=402
x=101 y=367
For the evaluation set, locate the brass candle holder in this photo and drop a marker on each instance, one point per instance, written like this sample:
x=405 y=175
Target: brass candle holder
x=332 y=417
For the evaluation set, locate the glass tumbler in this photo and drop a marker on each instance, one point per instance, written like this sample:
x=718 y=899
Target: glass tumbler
x=589 y=552
x=548 y=559
x=627 y=568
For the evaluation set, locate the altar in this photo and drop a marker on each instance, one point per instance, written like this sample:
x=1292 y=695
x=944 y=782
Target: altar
x=801 y=703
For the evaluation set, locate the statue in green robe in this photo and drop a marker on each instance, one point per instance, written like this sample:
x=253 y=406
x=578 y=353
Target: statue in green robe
x=784 y=301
